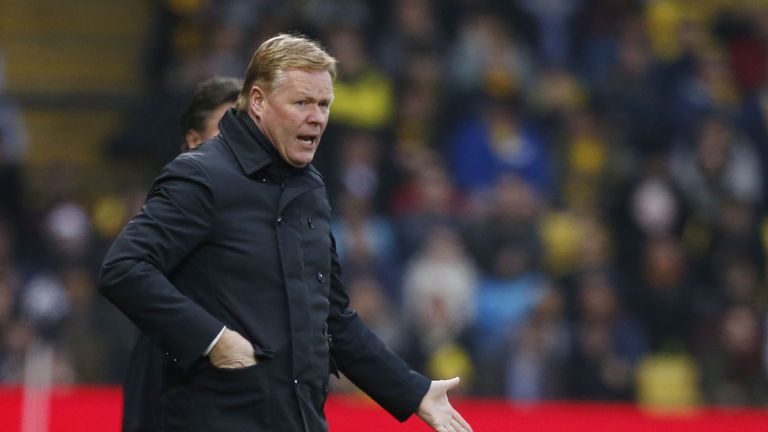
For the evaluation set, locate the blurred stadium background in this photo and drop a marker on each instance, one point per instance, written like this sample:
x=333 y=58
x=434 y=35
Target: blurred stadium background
x=558 y=200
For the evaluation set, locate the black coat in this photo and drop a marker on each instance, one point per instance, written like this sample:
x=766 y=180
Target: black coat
x=231 y=235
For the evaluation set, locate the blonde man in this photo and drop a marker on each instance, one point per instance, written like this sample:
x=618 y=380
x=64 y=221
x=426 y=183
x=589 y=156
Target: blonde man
x=232 y=270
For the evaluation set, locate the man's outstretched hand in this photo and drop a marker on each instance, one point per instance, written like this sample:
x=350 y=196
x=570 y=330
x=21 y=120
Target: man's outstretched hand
x=437 y=412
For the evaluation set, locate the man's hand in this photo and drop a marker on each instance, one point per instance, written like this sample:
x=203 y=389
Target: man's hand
x=437 y=412
x=232 y=351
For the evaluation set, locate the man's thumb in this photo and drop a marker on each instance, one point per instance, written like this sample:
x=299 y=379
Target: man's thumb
x=452 y=383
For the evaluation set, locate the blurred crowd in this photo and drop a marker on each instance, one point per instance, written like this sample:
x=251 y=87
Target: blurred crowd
x=554 y=199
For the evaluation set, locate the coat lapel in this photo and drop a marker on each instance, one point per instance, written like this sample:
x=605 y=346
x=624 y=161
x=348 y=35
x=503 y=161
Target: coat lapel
x=295 y=186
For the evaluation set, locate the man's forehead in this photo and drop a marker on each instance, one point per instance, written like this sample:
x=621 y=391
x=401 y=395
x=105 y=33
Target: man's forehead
x=310 y=82
x=307 y=75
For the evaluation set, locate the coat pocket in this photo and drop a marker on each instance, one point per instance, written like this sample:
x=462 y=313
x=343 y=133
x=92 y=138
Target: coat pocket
x=230 y=399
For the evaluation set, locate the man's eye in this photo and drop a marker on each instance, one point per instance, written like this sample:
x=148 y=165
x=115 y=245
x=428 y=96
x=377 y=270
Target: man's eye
x=301 y=103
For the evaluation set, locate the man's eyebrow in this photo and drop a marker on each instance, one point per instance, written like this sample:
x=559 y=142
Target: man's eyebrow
x=307 y=95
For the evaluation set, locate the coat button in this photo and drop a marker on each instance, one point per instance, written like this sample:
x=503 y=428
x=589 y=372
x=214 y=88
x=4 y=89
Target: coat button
x=279 y=220
x=320 y=277
x=310 y=224
x=325 y=329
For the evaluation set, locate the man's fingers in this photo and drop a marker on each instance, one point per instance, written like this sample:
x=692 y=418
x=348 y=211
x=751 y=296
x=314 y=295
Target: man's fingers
x=235 y=363
x=460 y=420
x=455 y=427
x=460 y=424
x=248 y=362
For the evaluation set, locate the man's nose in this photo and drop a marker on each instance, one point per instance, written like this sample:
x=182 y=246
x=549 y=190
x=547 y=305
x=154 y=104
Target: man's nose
x=316 y=116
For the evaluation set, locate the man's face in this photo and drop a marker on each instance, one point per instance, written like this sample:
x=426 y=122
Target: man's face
x=194 y=138
x=294 y=115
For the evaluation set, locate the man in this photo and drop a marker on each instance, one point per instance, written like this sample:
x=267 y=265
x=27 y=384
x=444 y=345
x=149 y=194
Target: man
x=231 y=268
x=211 y=99
x=142 y=386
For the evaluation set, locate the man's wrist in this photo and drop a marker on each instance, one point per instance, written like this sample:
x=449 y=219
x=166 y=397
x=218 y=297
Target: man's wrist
x=214 y=341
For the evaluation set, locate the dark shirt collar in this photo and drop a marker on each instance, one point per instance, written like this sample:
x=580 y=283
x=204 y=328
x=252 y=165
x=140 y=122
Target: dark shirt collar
x=253 y=150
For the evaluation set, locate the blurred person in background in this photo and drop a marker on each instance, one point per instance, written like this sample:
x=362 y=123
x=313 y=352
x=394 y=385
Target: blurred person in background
x=535 y=361
x=589 y=166
x=553 y=21
x=649 y=203
x=717 y=164
x=506 y=244
x=413 y=26
x=486 y=56
x=709 y=87
x=732 y=369
x=363 y=111
x=12 y=332
x=753 y=114
x=211 y=99
x=509 y=216
x=438 y=295
x=368 y=297
x=219 y=55
x=420 y=112
x=607 y=343
x=364 y=92
x=365 y=242
x=47 y=308
x=504 y=302
x=594 y=30
x=735 y=237
x=425 y=200
x=88 y=328
x=358 y=167
x=588 y=249
x=497 y=140
x=142 y=385
x=662 y=293
x=248 y=207
x=630 y=95
x=13 y=149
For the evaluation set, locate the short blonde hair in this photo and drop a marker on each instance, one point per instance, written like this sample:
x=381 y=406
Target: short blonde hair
x=279 y=54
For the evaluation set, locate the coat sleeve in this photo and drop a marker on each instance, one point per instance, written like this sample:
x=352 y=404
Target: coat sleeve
x=364 y=358
x=175 y=218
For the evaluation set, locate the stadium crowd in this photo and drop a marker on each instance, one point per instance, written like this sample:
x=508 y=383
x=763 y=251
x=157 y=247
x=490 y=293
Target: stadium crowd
x=559 y=199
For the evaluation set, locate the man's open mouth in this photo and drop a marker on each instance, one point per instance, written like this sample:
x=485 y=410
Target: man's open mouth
x=308 y=139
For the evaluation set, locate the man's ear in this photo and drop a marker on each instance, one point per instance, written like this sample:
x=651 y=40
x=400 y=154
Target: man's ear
x=256 y=99
x=193 y=139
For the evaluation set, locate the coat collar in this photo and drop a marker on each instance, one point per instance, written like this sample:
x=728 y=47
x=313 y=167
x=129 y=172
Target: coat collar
x=254 y=152
x=251 y=148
